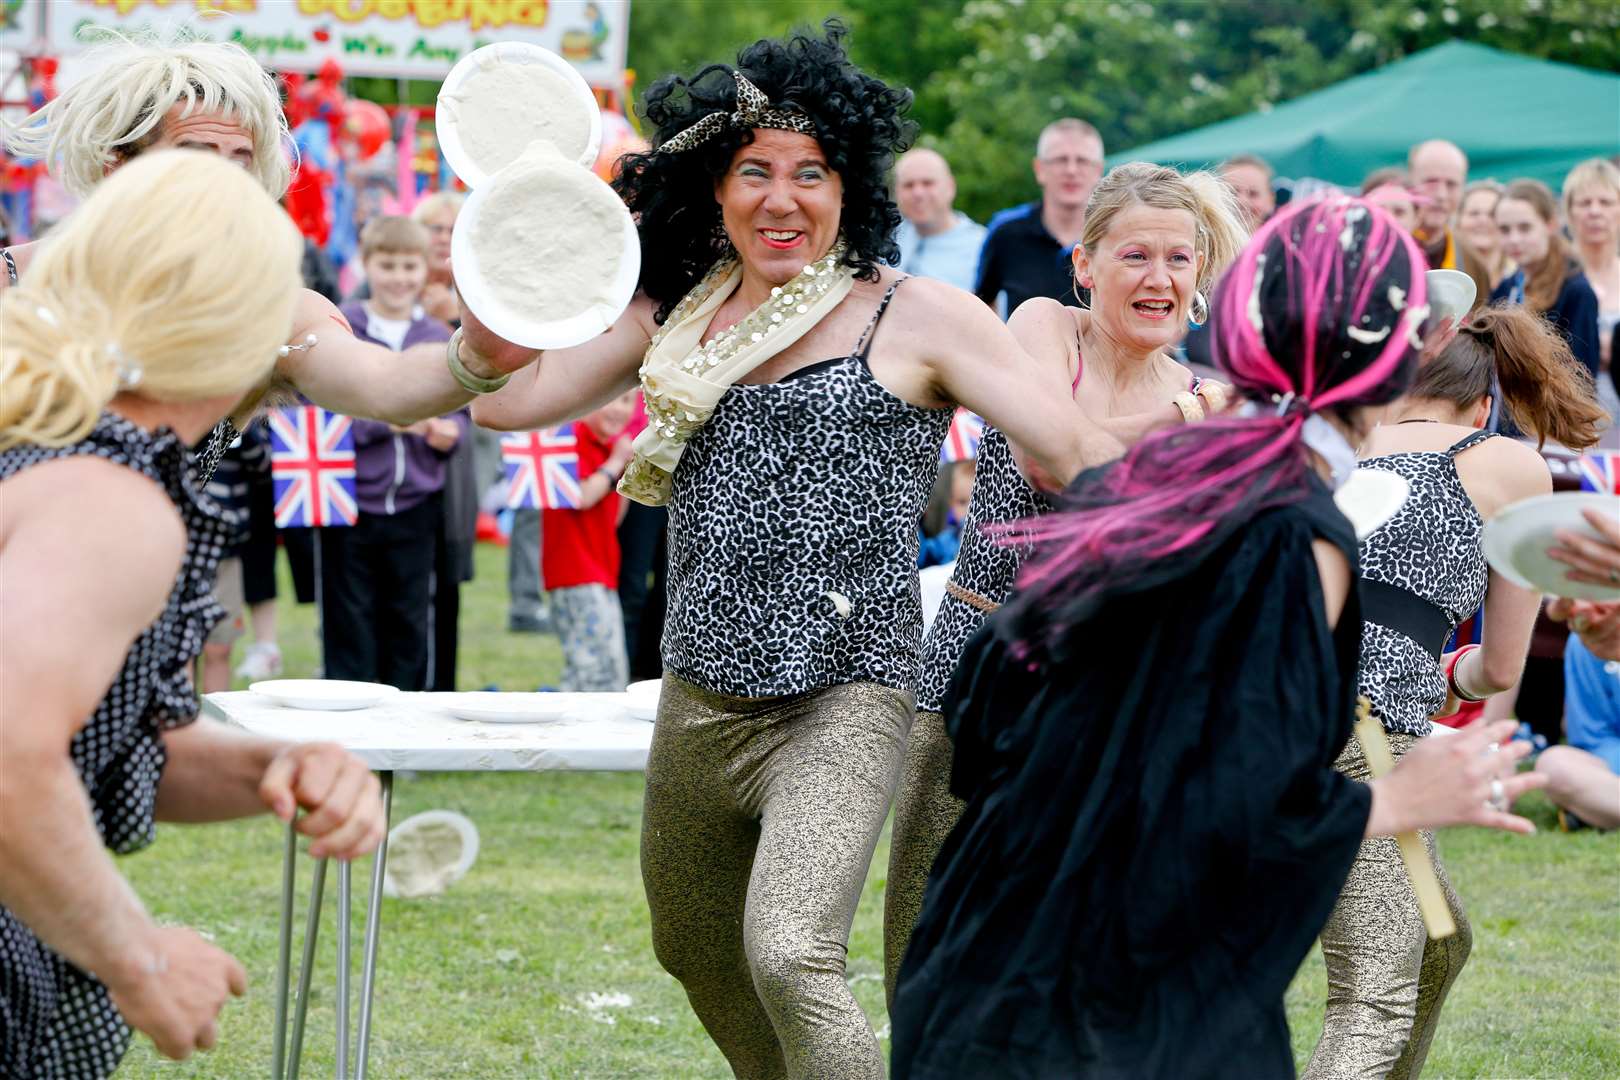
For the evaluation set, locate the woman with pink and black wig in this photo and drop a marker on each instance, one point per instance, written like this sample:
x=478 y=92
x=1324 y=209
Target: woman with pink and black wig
x=1145 y=735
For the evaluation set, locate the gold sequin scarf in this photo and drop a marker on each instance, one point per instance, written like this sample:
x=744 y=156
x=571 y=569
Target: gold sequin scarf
x=683 y=380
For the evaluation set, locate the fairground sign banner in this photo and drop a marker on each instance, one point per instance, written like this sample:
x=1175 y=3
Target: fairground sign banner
x=413 y=39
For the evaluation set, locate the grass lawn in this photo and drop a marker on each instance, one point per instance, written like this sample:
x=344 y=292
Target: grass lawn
x=539 y=964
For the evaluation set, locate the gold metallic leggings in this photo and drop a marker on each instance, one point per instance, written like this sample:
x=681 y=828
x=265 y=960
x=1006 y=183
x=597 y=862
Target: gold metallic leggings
x=1386 y=979
x=925 y=812
x=761 y=818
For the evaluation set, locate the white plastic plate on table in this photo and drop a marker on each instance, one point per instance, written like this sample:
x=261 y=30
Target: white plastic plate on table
x=1517 y=540
x=641 y=699
x=451 y=103
x=324 y=695
x=493 y=707
x=429 y=852
x=513 y=325
x=1370 y=498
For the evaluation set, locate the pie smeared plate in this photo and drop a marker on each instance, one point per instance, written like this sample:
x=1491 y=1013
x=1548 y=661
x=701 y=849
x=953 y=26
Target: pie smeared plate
x=429 y=852
x=499 y=99
x=323 y=695
x=1516 y=542
x=545 y=253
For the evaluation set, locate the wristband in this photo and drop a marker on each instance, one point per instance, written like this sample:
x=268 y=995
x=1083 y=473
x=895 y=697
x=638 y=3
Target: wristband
x=1191 y=410
x=470 y=382
x=612 y=477
x=1451 y=676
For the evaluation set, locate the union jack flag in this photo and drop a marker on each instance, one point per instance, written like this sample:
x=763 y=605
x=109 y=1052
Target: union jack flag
x=312 y=467
x=1600 y=472
x=962 y=443
x=542 y=469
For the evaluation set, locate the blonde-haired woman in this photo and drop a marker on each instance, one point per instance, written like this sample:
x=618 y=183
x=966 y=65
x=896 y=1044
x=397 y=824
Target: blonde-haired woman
x=437 y=214
x=130 y=339
x=1592 y=211
x=1154 y=243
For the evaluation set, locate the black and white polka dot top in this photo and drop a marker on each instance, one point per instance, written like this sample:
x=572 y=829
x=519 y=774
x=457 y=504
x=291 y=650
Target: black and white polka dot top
x=793 y=534
x=118 y=753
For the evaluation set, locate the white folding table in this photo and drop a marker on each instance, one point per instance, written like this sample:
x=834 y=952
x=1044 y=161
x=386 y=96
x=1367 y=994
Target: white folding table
x=410 y=731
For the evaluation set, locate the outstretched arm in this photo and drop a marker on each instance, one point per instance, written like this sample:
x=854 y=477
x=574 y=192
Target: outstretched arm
x=347 y=375
x=568 y=383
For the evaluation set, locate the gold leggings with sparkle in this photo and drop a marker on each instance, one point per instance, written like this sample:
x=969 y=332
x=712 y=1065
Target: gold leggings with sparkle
x=761 y=819
x=1386 y=979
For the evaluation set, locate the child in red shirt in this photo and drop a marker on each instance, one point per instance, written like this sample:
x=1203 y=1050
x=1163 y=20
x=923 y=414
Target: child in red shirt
x=579 y=557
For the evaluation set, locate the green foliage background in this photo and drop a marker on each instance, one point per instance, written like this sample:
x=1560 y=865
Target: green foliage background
x=988 y=74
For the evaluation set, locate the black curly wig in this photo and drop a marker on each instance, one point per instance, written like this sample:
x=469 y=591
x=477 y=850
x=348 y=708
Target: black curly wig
x=860 y=124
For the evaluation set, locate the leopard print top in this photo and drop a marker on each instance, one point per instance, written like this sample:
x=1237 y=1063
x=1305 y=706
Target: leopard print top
x=1431 y=547
x=983 y=565
x=793 y=534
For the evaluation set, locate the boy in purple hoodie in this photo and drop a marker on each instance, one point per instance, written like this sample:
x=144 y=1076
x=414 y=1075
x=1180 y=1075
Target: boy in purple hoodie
x=378 y=576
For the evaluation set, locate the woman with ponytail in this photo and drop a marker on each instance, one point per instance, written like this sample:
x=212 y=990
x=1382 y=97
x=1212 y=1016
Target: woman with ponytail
x=1155 y=242
x=130 y=339
x=1423 y=573
x=1144 y=736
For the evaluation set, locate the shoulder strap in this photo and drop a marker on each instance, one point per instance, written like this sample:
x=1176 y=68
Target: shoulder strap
x=864 y=346
x=11 y=264
x=1472 y=440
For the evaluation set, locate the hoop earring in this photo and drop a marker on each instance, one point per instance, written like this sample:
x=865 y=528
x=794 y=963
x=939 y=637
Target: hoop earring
x=1199 y=315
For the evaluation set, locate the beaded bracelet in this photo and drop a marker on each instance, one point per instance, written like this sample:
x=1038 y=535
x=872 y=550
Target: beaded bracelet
x=470 y=382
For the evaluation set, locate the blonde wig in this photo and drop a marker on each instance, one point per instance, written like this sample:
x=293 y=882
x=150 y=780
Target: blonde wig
x=112 y=115
x=1209 y=199
x=120 y=298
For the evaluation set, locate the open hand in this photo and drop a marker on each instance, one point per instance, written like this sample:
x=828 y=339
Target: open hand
x=173 y=987
x=1597 y=625
x=341 y=797
x=1449 y=781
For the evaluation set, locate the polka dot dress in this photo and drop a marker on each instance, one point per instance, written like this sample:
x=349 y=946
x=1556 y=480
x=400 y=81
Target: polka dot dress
x=55 y=1020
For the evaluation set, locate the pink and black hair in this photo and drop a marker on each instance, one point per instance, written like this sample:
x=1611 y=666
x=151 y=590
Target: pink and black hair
x=1321 y=311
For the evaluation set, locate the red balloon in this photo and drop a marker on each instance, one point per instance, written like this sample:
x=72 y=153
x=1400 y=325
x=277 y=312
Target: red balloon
x=367 y=124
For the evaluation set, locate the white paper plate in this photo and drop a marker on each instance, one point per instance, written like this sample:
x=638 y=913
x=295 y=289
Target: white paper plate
x=1517 y=539
x=516 y=326
x=429 y=852
x=492 y=707
x=1451 y=294
x=326 y=695
x=1370 y=498
x=510 y=52
x=641 y=699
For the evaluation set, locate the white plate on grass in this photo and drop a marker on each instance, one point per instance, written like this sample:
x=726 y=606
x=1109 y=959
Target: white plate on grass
x=429 y=852
x=526 y=110
x=324 y=695
x=495 y=707
x=642 y=699
x=506 y=215
x=1517 y=539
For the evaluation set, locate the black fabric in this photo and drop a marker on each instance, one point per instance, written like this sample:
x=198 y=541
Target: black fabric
x=258 y=551
x=1154 y=832
x=1022 y=259
x=376 y=578
x=643 y=567
x=1407 y=613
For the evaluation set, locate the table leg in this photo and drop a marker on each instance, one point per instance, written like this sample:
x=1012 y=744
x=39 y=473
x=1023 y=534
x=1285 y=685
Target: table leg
x=312 y=926
x=368 y=969
x=344 y=869
x=289 y=866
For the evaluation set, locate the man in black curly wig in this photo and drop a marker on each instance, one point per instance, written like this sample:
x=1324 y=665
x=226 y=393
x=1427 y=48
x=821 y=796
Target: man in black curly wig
x=794 y=440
